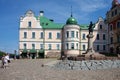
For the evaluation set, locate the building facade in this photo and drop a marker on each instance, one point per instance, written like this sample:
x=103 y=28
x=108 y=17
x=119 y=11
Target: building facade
x=113 y=20
x=42 y=37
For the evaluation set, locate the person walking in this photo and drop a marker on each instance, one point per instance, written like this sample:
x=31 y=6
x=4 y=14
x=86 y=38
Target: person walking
x=4 y=61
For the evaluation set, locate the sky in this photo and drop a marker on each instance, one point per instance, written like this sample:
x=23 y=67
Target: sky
x=59 y=10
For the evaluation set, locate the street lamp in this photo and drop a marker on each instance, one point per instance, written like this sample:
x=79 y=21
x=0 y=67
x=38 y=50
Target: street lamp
x=15 y=54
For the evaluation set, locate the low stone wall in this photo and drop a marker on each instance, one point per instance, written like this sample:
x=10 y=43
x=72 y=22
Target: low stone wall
x=53 y=54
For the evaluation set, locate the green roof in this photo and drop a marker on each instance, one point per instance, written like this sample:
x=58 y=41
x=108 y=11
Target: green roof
x=24 y=51
x=33 y=51
x=48 y=24
x=41 y=51
x=84 y=26
x=71 y=20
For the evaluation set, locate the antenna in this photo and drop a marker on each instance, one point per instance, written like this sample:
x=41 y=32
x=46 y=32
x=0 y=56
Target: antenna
x=71 y=12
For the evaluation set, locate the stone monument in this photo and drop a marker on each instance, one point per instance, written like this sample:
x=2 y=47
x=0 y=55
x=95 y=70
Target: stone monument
x=90 y=37
x=90 y=53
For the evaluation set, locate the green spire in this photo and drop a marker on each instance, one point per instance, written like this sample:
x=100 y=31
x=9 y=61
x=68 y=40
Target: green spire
x=71 y=20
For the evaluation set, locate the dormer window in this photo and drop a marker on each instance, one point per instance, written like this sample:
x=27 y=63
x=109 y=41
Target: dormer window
x=29 y=24
x=46 y=24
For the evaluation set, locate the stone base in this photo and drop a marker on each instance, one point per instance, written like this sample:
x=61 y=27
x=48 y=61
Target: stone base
x=94 y=56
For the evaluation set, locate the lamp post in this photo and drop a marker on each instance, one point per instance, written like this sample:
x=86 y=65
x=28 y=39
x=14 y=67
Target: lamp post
x=15 y=54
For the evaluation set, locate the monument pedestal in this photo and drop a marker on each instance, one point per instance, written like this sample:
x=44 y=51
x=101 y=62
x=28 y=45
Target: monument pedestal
x=90 y=53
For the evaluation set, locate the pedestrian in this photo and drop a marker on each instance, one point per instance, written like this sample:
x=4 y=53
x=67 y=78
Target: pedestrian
x=4 y=61
x=8 y=58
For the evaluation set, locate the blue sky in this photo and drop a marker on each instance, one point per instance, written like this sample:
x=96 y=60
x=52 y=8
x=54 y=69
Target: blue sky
x=59 y=10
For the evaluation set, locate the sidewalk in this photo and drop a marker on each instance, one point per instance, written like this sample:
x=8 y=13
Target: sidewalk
x=30 y=69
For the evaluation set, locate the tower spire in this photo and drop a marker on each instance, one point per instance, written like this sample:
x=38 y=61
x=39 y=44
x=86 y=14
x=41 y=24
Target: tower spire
x=71 y=12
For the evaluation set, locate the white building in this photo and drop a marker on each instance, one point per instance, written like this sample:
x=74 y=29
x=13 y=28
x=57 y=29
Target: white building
x=41 y=37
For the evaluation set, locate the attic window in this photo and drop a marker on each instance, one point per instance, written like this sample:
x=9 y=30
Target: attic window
x=46 y=23
x=42 y=24
x=29 y=24
x=100 y=26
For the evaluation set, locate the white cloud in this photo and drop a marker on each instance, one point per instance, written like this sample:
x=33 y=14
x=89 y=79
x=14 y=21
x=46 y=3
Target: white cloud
x=91 y=5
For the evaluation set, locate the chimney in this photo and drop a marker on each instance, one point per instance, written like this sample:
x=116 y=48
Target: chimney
x=41 y=13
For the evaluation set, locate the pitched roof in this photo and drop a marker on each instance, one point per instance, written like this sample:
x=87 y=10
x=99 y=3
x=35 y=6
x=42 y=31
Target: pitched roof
x=47 y=24
x=84 y=26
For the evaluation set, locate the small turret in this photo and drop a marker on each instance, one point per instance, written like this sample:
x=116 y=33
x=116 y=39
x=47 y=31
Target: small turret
x=115 y=3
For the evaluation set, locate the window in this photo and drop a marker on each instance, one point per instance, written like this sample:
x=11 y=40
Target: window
x=97 y=36
x=76 y=45
x=100 y=26
x=83 y=36
x=72 y=34
x=67 y=46
x=33 y=34
x=67 y=34
x=41 y=35
x=58 y=47
x=118 y=38
x=50 y=35
x=29 y=24
x=118 y=24
x=116 y=12
x=111 y=40
x=77 y=34
x=84 y=47
x=112 y=14
x=49 y=46
x=97 y=47
x=24 y=45
x=33 y=46
x=25 y=34
x=58 y=35
x=72 y=45
x=104 y=47
x=41 y=46
x=104 y=37
x=110 y=27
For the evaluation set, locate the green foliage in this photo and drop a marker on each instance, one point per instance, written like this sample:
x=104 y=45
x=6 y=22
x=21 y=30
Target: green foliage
x=1 y=53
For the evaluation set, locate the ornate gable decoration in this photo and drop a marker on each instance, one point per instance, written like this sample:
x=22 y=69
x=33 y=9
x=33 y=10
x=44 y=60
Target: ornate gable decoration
x=29 y=13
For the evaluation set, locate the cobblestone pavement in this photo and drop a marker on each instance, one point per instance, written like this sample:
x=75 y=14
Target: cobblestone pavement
x=85 y=65
x=31 y=69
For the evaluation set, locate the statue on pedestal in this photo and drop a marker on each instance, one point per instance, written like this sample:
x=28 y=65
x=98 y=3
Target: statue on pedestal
x=91 y=27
